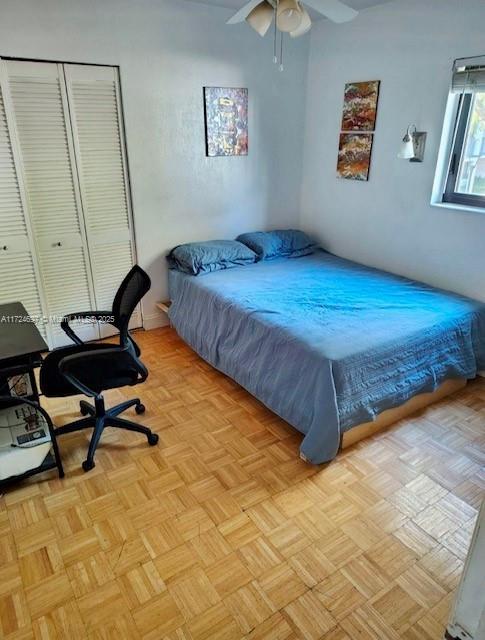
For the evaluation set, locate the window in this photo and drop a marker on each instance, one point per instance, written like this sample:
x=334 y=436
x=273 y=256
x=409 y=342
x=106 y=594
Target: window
x=460 y=172
x=465 y=183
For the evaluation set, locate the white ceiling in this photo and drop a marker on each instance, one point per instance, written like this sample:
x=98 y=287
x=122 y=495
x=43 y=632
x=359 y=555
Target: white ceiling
x=237 y=4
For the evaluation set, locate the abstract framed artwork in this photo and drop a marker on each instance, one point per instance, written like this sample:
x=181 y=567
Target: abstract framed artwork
x=359 y=116
x=226 y=121
x=360 y=106
x=354 y=154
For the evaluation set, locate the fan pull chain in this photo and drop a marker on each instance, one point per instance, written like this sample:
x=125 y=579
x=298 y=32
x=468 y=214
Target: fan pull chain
x=282 y=68
x=275 y=43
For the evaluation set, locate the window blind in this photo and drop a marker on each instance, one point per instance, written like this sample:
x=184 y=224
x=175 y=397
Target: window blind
x=468 y=75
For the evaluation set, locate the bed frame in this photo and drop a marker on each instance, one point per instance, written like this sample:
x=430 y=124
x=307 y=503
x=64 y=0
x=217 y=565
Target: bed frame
x=389 y=417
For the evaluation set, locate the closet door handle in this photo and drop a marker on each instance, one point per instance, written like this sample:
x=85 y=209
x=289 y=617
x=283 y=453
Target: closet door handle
x=4 y=248
x=58 y=244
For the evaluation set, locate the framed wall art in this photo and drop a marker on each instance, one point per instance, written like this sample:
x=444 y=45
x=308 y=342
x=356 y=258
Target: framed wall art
x=226 y=121
x=360 y=106
x=359 y=115
x=354 y=155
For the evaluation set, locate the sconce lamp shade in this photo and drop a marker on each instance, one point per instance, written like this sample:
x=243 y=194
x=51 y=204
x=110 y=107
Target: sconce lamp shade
x=288 y=15
x=413 y=143
x=407 y=147
x=261 y=17
x=305 y=25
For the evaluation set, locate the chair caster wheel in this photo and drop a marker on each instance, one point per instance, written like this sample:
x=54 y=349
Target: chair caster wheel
x=84 y=408
x=140 y=408
x=87 y=466
x=153 y=439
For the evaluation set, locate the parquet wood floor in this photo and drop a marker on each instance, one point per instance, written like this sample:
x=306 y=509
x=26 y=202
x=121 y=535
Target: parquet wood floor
x=222 y=532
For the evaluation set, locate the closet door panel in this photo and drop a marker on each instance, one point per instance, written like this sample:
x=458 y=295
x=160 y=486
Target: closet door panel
x=39 y=115
x=19 y=283
x=113 y=263
x=94 y=102
x=60 y=267
x=17 y=270
x=11 y=211
x=49 y=172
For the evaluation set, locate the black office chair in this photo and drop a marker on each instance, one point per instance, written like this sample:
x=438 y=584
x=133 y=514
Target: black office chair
x=94 y=368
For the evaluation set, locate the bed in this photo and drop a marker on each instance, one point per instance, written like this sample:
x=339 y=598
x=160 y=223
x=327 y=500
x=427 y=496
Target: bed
x=325 y=343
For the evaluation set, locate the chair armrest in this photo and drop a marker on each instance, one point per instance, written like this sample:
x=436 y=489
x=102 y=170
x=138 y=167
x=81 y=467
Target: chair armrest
x=96 y=359
x=100 y=316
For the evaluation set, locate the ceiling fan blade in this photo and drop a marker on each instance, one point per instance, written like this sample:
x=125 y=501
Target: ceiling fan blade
x=305 y=26
x=243 y=13
x=261 y=17
x=334 y=10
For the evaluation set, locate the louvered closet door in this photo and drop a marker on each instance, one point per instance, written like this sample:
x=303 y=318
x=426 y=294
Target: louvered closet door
x=94 y=103
x=42 y=127
x=17 y=269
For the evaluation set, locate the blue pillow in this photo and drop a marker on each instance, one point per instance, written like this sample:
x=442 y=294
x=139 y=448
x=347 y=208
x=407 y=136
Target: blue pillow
x=204 y=257
x=288 y=243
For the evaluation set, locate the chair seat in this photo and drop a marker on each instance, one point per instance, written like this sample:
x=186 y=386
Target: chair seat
x=116 y=371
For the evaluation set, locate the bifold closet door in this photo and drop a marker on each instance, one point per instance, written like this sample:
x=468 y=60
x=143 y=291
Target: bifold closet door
x=94 y=104
x=18 y=276
x=48 y=167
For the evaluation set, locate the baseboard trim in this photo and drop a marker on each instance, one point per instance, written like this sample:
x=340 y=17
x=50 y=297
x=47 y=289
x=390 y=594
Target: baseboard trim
x=455 y=632
x=154 y=321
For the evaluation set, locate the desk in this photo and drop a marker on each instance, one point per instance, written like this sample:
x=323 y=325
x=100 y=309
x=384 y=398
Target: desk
x=19 y=338
x=21 y=345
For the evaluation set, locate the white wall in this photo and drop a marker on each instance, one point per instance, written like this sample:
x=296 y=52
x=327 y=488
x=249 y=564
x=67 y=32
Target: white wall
x=388 y=222
x=167 y=51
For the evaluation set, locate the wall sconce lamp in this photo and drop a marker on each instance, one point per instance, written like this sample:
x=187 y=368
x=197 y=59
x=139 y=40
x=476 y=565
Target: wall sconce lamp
x=413 y=143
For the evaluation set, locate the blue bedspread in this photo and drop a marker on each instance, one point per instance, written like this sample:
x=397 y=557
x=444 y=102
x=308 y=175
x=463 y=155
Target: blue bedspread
x=327 y=343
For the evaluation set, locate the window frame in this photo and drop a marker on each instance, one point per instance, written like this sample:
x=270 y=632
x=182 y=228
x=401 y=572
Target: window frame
x=450 y=196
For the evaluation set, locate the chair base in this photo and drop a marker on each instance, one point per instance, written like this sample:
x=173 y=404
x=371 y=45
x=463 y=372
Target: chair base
x=98 y=417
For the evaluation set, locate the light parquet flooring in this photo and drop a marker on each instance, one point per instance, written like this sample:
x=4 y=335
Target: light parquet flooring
x=222 y=532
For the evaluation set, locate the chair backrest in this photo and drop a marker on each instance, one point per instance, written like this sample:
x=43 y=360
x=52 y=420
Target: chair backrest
x=134 y=286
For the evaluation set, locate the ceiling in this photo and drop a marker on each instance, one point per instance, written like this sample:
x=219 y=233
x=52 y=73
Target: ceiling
x=237 y=4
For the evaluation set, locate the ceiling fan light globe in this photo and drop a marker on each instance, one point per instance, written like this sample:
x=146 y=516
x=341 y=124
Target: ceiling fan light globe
x=288 y=15
x=261 y=17
x=305 y=25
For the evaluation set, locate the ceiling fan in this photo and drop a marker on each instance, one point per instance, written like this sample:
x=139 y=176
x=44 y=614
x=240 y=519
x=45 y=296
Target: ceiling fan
x=290 y=15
